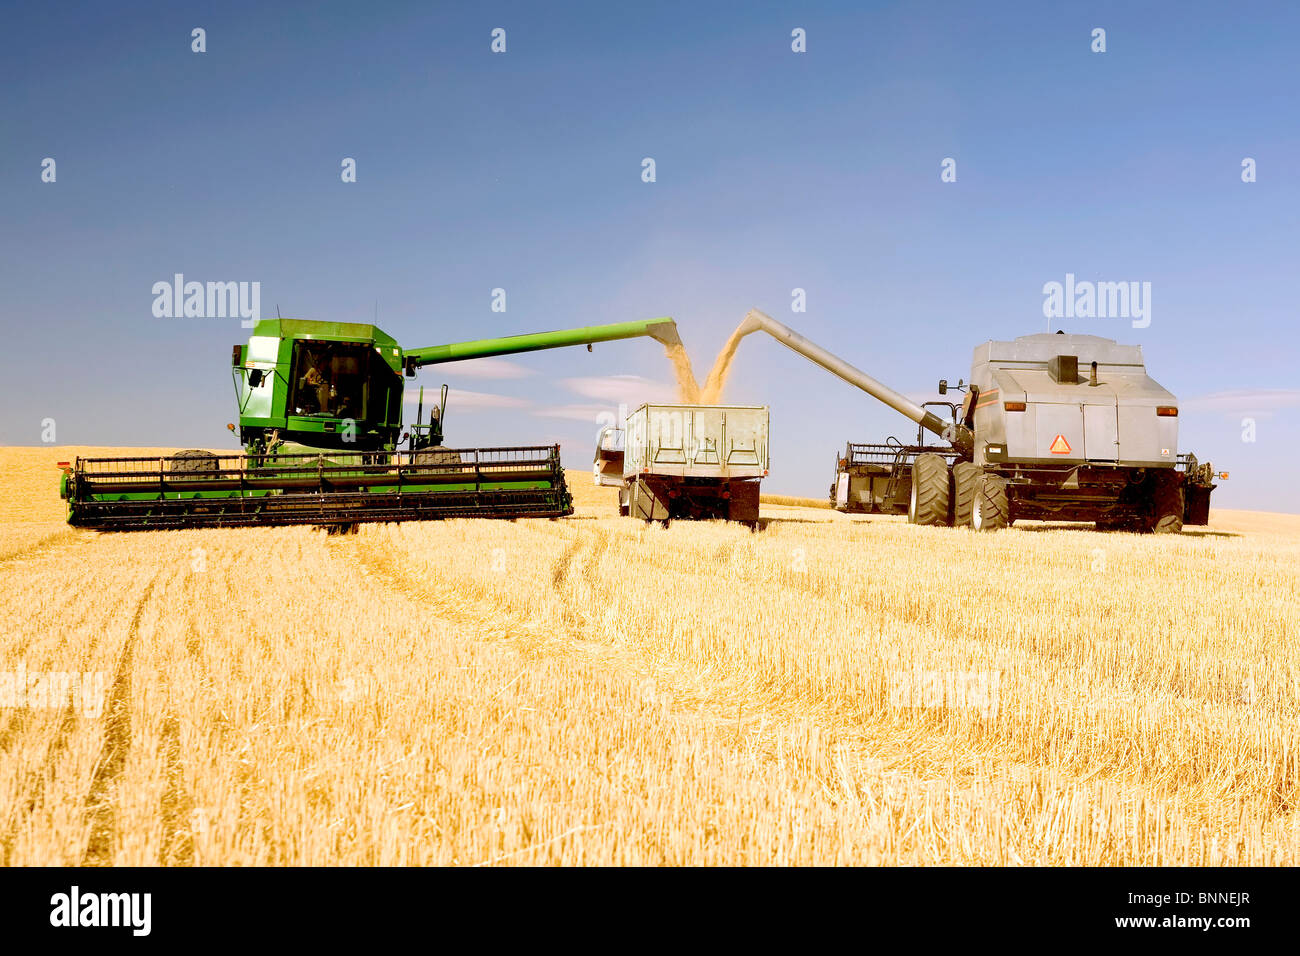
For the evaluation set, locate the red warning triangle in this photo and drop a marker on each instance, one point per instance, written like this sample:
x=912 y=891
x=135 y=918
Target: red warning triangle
x=1060 y=446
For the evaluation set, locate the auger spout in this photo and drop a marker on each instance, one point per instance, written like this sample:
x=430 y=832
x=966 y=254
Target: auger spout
x=953 y=432
x=662 y=329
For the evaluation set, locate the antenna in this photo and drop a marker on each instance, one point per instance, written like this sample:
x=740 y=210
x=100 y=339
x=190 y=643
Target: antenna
x=376 y=311
x=277 y=310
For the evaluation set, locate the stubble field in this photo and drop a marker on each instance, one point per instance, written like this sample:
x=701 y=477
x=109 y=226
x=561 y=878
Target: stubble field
x=591 y=690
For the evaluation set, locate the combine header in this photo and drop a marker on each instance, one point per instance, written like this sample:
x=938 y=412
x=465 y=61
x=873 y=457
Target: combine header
x=320 y=418
x=1056 y=427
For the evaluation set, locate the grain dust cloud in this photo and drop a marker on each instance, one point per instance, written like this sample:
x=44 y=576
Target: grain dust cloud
x=711 y=394
x=689 y=391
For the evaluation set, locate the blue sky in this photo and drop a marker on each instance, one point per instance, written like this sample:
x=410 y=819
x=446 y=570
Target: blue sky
x=775 y=171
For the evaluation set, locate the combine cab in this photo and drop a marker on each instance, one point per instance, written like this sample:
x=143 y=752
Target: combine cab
x=320 y=418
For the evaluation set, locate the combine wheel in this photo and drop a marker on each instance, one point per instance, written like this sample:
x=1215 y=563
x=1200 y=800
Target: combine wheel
x=193 y=460
x=1167 y=508
x=991 y=510
x=965 y=485
x=930 y=493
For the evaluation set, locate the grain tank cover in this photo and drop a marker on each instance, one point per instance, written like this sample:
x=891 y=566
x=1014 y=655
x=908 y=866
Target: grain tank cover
x=1039 y=396
x=1041 y=347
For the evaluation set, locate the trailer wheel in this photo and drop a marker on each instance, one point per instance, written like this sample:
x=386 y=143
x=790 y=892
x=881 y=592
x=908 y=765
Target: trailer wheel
x=193 y=460
x=990 y=511
x=965 y=485
x=1167 y=508
x=743 y=504
x=930 y=494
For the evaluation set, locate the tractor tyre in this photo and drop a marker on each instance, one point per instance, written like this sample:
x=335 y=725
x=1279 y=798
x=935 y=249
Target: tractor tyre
x=435 y=455
x=1167 y=508
x=965 y=485
x=194 y=460
x=930 y=491
x=1128 y=523
x=991 y=506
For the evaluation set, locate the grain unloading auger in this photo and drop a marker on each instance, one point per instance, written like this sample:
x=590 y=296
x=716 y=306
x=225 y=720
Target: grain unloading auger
x=320 y=419
x=1052 y=426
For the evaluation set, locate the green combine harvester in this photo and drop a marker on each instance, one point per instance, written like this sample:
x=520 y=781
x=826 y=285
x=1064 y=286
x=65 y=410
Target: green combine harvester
x=320 y=419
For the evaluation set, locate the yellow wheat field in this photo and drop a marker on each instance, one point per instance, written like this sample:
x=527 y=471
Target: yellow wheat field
x=596 y=691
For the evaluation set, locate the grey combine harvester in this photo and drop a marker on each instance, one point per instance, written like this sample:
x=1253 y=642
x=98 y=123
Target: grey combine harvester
x=1052 y=426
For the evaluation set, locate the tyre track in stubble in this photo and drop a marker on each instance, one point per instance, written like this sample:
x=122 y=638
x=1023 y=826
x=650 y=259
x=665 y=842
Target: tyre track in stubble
x=177 y=806
x=34 y=786
x=586 y=550
x=15 y=725
x=100 y=815
x=386 y=568
x=50 y=542
x=70 y=600
x=176 y=809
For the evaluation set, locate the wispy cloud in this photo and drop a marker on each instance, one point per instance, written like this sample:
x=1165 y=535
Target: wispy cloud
x=576 y=413
x=615 y=389
x=463 y=399
x=483 y=368
x=1256 y=402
